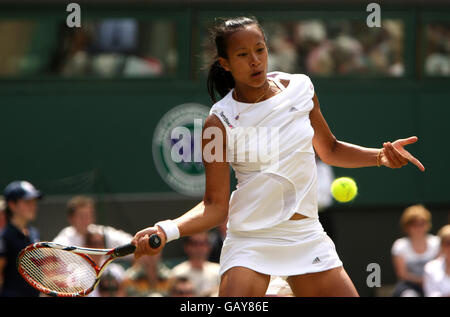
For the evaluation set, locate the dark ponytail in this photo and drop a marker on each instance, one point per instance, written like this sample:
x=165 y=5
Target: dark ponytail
x=220 y=80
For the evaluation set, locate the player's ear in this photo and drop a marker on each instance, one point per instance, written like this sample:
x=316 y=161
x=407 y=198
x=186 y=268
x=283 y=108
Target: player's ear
x=224 y=63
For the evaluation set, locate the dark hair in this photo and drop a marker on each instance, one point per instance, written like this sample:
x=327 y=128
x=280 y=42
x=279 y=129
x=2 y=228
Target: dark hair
x=8 y=213
x=220 y=80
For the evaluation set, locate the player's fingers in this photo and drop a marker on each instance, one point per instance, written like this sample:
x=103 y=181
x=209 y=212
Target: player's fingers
x=397 y=155
x=409 y=140
x=136 y=238
x=143 y=244
x=147 y=231
x=393 y=162
x=412 y=159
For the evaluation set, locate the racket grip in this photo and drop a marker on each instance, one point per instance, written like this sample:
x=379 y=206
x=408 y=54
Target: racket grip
x=154 y=241
x=124 y=250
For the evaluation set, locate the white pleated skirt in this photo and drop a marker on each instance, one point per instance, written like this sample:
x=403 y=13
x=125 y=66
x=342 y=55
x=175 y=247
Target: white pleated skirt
x=293 y=247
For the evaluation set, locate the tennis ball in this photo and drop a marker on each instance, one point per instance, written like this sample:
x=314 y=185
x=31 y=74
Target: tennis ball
x=344 y=189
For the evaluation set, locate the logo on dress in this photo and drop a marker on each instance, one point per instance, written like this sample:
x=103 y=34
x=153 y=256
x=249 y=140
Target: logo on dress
x=316 y=260
x=226 y=119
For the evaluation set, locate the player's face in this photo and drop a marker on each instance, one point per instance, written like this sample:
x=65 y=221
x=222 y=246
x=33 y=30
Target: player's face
x=247 y=56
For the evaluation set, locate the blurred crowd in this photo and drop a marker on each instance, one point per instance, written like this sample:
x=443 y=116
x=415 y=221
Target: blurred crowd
x=108 y=48
x=116 y=47
x=437 y=54
x=146 y=276
x=421 y=260
x=337 y=47
x=125 y=48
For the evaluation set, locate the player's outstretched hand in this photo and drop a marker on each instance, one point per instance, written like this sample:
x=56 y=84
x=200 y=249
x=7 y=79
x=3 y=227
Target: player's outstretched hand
x=394 y=155
x=141 y=242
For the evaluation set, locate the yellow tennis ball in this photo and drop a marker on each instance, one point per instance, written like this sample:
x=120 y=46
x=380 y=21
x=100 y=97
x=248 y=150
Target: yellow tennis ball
x=344 y=189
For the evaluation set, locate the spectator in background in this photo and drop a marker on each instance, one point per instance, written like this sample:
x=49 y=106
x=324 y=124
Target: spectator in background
x=148 y=276
x=2 y=213
x=81 y=216
x=411 y=253
x=437 y=56
x=437 y=272
x=21 y=199
x=181 y=286
x=110 y=284
x=203 y=274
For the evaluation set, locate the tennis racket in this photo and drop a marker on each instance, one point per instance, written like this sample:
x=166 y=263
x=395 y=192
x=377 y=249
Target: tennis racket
x=68 y=271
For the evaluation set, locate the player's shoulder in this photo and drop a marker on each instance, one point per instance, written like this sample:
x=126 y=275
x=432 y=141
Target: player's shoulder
x=220 y=114
x=213 y=119
x=222 y=103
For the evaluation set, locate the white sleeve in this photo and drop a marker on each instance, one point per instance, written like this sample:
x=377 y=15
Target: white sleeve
x=430 y=286
x=435 y=244
x=115 y=237
x=65 y=238
x=398 y=248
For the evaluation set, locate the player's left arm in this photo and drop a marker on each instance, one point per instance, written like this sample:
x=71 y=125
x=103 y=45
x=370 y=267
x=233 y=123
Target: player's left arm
x=342 y=154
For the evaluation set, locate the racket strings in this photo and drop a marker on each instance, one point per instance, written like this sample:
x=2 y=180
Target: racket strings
x=57 y=270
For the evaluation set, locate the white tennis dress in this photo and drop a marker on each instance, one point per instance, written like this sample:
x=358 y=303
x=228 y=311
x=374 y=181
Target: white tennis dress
x=269 y=146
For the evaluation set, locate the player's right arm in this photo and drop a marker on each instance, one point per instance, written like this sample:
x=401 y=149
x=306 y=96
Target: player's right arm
x=213 y=209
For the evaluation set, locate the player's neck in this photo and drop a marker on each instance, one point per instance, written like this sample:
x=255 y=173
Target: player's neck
x=247 y=94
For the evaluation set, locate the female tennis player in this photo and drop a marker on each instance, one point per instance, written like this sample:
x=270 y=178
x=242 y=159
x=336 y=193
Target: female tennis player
x=273 y=225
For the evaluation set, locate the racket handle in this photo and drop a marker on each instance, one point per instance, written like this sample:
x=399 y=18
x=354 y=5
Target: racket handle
x=154 y=241
x=124 y=250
